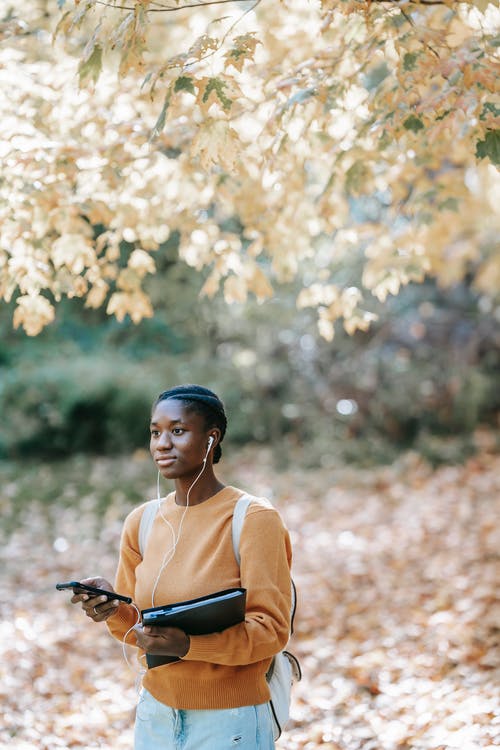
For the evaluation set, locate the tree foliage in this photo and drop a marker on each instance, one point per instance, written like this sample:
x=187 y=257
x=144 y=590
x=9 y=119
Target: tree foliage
x=274 y=138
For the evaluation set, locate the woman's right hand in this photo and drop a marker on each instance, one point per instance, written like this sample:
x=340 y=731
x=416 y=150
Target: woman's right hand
x=98 y=608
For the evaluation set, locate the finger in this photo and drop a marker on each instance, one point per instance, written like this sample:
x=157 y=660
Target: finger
x=91 y=603
x=108 y=608
x=147 y=644
x=101 y=610
x=152 y=632
x=159 y=631
x=141 y=640
x=79 y=598
x=144 y=640
x=155 y=631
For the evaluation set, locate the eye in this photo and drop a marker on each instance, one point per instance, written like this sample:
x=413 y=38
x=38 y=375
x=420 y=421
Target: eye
x=178 y=431
x=155 y=433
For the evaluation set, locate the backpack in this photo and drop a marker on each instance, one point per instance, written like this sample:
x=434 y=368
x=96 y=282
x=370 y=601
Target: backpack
x=285 y=668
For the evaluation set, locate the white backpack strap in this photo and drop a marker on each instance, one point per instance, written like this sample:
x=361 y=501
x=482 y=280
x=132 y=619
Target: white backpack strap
x=146 y=524
x=240 y=509
x=239 y=513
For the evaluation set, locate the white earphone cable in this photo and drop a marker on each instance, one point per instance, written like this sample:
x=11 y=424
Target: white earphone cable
x=171 y=552
x=124 y=641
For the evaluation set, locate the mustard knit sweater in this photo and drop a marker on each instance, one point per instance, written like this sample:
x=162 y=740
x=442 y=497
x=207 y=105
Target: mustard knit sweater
x=220 y=670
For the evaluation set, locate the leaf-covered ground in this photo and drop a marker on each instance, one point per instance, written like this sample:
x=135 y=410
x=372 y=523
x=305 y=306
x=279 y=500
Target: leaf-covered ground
x=397 y=629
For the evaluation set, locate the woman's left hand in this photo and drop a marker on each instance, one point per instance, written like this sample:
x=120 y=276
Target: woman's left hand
x=164 y=641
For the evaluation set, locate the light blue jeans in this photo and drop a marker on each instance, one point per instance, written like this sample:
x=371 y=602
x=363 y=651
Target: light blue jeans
x=159 y=727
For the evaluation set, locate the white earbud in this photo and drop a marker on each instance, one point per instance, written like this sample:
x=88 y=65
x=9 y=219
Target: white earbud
x=209 y=445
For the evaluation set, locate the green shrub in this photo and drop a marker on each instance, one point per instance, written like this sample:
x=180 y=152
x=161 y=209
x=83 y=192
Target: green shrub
x=89 y=404
x=99 y=404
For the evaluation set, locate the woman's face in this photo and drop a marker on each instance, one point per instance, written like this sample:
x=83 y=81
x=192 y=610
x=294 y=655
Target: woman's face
x=179 y=439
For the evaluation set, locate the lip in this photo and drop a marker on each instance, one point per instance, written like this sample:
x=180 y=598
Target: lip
x=165 y=460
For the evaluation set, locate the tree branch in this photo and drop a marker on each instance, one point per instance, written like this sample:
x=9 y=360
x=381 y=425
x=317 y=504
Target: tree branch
x=410 y=20
x=172 y=9
x=235 y=23
x=168 y=8
x=413 y=2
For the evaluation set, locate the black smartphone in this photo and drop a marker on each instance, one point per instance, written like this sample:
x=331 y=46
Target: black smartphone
x=75 y=585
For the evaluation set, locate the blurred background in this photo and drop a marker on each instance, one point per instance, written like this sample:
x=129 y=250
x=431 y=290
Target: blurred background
x=424 y=378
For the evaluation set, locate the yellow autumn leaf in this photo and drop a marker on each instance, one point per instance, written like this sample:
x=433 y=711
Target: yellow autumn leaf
x=482 y=5
x=27 y=268
x=100 y=213
x=326 y=328
x=136 y=304
x=97 y=294
x=235 y=289
x=216 y=144
x=78 y=288
x=141 y=262
x=211 y=285
x=33 y=313
x=361 y=321
x=113 y=250
x=317 y=294
x=73 y=251
x=259 y=284
x=128 y=280
x=488 y=276
x=243 y=50
x=389 y=284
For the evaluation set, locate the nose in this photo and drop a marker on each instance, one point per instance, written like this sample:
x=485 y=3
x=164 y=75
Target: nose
x=164 y=440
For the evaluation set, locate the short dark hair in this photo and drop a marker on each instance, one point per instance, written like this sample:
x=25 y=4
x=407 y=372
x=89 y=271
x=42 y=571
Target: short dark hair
x=201 y=401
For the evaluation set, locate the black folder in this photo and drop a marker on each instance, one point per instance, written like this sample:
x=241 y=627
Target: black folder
x=206 y=614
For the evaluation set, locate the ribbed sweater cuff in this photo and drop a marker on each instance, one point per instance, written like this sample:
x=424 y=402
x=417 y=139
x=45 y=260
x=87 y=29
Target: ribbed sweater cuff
x=119 y=623
x=201 y=649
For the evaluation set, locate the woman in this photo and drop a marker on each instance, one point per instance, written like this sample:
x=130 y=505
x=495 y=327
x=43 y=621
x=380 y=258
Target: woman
x=215 y=695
